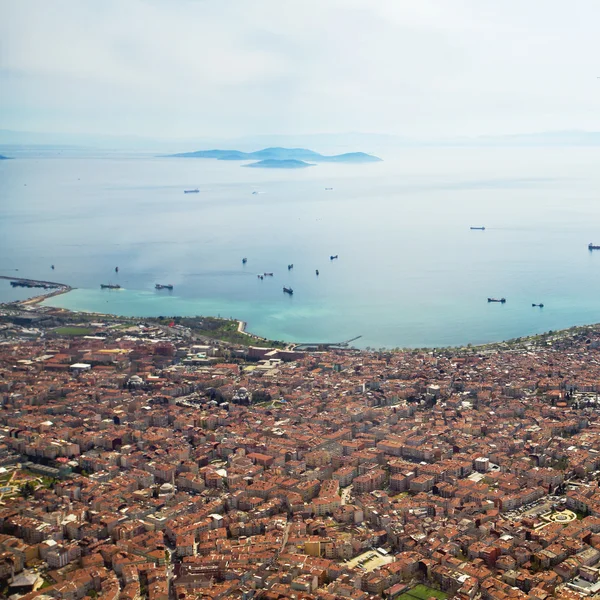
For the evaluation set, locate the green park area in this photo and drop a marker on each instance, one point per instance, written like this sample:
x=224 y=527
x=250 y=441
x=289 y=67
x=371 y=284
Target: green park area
x=422 y=592
x=73 y=331
x=221 y=329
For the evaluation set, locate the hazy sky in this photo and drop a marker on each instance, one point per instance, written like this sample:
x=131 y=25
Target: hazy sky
x=183 y=68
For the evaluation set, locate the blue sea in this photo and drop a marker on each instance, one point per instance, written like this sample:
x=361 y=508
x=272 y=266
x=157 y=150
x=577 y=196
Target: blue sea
x=410 y=272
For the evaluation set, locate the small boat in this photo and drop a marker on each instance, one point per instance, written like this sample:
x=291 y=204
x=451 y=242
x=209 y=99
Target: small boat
x=110 y=286
x=593 y=246
x=244 y=261
x=254 y=193
x=194 y=191
x=52 y=267
x=328 y=189
x=478 y=228
x=116 y=269
x=333 y=257
x=162 y=286
x=290 y=267
x=501 y=300
x=540 y=305
x=268 y=274
x=287 y=290
x=316 y=271
x=261 y=276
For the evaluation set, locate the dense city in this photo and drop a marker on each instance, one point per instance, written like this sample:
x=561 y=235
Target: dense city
x=140 y=460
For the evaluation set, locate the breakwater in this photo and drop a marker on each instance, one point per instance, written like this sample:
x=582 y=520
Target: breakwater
x=57 y=288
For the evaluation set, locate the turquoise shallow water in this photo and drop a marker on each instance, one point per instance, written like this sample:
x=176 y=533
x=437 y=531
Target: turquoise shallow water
x=410 y=271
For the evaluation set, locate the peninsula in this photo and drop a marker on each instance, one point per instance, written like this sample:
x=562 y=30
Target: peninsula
x=280 y=154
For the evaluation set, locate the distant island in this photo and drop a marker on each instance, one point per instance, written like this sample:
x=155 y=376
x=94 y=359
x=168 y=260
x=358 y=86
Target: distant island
x=271 y=163
x=280 y=155
x=4 y=157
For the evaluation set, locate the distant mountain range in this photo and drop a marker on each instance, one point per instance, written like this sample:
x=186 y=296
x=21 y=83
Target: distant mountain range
x=30 y=143
x=271 y=163
x=287 y=155
x=546 y=138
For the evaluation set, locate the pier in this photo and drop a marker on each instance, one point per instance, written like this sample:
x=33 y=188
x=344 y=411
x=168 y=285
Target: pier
x=326 y=345
x=57 y=288
x=33 y=283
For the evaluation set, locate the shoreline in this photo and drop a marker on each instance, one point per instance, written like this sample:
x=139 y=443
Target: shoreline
x=60 y=288
x=242 y=330
x=522 y=342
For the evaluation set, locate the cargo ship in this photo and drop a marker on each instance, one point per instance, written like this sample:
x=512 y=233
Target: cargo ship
x=540 y=305
x=268 y=274
x=195 y=191
x=501 y=300
x=287 y=290
x=478 y=228
x=110 y=286
x=34 y=284
x=593 y=246
x=333 y=257
x=162 y=286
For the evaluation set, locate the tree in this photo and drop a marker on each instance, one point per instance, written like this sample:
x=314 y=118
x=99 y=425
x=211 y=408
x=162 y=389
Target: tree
x=27 y=489
x=260 y=396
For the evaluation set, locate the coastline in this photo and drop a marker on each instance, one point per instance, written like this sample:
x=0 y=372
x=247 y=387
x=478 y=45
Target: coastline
x=223 y=329
x=61 y=288
x=242 y=330
x=36 y=301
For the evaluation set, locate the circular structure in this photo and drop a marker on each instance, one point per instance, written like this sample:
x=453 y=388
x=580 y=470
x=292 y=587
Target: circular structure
x=564 y=516
x=165 y=489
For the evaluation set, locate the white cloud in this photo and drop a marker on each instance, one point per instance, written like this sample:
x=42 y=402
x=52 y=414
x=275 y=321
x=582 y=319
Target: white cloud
x=233 y=67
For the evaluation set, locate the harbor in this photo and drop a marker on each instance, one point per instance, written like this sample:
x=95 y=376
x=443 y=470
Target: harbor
x=21 y=282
